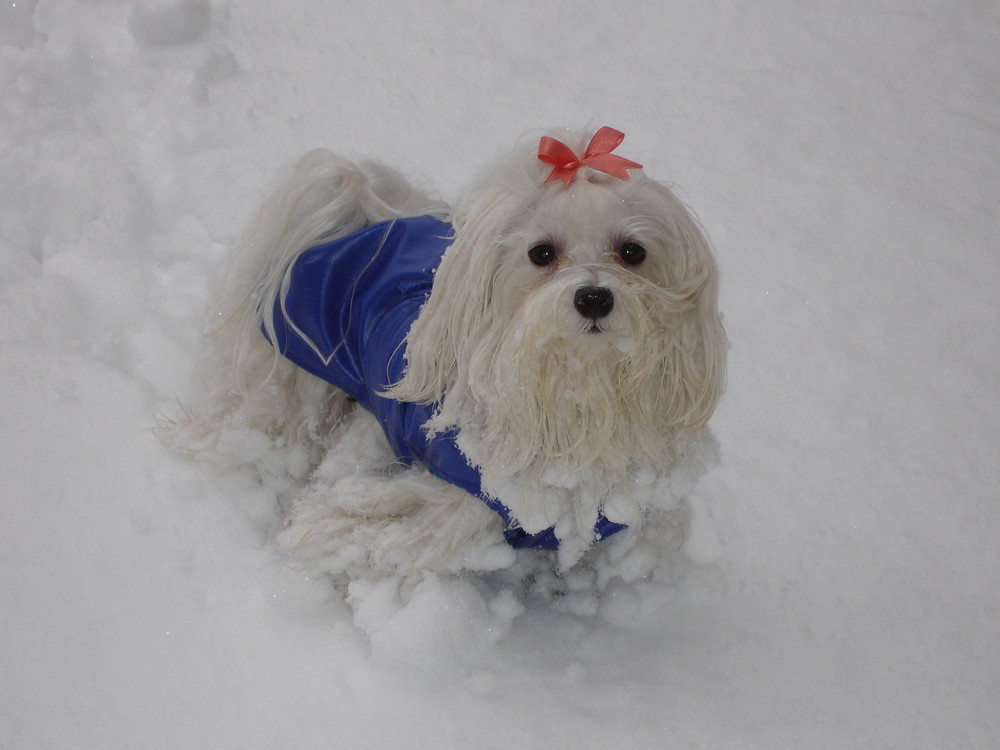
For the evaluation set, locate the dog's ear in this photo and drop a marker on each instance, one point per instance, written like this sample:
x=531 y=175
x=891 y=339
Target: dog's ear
x=458 y=317
x=697 y=362
x=695 y=367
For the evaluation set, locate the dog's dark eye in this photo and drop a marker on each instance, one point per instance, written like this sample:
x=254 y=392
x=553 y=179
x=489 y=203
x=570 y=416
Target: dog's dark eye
x=632 y=253
x=542 y=255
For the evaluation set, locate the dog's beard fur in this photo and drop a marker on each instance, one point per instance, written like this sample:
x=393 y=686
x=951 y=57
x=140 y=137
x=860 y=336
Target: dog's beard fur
x=564 y=422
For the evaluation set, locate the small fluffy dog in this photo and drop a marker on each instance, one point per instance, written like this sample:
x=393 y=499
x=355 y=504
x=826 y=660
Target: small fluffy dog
x=439 y=387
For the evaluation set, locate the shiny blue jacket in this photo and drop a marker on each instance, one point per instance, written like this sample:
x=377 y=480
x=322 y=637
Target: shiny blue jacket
x=354 y=298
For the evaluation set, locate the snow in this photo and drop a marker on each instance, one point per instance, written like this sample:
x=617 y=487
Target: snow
x=840 y=587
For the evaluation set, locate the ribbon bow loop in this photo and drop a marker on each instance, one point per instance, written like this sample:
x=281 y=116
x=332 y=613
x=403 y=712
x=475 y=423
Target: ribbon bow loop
x=597 y=155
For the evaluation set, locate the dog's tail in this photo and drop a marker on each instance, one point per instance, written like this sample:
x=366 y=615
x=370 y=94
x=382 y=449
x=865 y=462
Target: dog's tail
x=326 y=197
x=258 y=402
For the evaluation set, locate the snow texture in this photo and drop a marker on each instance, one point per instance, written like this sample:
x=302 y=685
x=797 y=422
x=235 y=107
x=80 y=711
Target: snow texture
x=840 y=583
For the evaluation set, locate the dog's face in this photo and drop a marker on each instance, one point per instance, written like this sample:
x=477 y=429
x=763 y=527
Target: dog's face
x=572 y=333
x=587 y=258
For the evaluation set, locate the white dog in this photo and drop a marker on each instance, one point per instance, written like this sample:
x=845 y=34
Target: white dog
x=439 y=387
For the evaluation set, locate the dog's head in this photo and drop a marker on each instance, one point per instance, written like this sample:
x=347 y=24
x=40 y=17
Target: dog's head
x=572 y=323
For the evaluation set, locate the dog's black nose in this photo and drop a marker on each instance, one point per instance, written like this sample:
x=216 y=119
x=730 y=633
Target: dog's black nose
x=594 y=301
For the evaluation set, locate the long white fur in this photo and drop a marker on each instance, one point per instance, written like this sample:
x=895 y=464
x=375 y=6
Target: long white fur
x=562 y=421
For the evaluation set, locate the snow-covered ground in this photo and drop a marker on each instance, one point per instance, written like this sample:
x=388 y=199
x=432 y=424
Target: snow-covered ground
x=840 y=587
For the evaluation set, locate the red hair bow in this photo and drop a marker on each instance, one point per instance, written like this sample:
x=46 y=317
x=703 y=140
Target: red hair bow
x=597 y=156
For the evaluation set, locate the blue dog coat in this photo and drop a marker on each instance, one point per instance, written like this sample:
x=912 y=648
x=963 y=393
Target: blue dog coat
x=349 y=304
